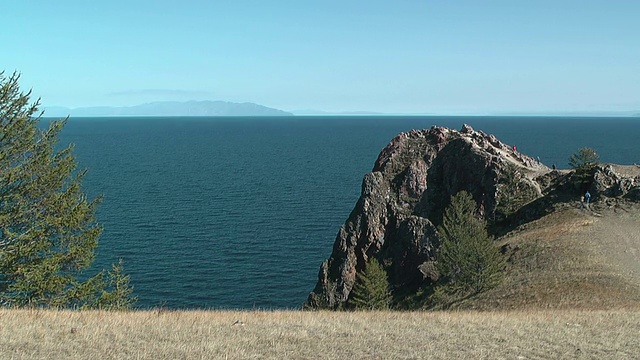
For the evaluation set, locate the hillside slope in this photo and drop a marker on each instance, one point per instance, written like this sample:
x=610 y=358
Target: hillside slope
x=571 y=258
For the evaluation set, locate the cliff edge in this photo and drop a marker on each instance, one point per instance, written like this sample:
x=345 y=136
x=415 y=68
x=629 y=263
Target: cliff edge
x=412 y=181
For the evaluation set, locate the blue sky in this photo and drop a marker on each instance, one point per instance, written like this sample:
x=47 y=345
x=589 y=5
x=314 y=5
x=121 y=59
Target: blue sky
x=404 y=56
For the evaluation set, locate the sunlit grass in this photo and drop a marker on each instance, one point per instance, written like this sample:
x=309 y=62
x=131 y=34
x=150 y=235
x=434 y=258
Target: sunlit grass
x=39 y=334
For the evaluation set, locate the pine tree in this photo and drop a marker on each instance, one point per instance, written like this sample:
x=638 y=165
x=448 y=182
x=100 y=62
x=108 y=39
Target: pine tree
x=371 y=289
x=584 y=159
x=584 y=162
x=48 y=233
x=469 y=262
x=120 y=296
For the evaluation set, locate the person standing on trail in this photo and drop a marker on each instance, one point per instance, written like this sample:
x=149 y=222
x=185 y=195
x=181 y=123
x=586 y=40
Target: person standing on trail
x=587 y=197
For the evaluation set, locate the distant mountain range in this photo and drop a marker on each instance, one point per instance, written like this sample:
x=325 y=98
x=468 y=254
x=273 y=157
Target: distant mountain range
x=322 y=112
x=171 y=108
x=313 y=112
x=224 y=108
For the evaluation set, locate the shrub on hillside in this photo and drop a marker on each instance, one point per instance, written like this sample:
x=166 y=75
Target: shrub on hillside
x=469 y=262
x=584 y=162
x=371 y=289
x=584 y=158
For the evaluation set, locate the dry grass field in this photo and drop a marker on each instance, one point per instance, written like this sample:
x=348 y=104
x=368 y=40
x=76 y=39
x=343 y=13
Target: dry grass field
x=572 y=292
x=551 y=334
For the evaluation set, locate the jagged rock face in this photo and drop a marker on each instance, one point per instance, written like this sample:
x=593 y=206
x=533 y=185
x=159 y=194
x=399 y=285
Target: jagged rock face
x=610 y=180
x=404 y=196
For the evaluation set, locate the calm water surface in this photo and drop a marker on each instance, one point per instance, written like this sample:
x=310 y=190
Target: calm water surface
x=240 y=212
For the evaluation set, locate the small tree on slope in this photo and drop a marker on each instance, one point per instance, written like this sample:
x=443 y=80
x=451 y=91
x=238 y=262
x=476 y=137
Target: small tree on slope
x=584 y=159
x=48 y=233
x=371 y=289
x=584 y=162
x=469 y=262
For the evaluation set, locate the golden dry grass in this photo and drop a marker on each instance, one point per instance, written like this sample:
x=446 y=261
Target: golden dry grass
x=551 y=334
x=571 y=259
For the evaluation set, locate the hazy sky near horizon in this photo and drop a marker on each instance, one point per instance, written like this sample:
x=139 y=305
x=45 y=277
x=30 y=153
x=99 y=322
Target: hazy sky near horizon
x=405 y=56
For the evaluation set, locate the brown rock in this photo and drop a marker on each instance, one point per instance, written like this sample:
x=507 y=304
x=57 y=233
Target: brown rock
x=410 y=185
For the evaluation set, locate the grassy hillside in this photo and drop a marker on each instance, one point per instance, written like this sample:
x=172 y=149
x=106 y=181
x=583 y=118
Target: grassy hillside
x=572 y=259
x=550 y=334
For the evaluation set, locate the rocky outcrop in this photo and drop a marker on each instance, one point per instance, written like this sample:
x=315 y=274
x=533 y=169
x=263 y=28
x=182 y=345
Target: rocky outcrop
x=403 y=199
x=616 y=181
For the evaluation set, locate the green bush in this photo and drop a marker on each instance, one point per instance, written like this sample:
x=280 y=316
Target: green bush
x=469 y=262
x=371 y=289
x=585 y=159
x=584 y=163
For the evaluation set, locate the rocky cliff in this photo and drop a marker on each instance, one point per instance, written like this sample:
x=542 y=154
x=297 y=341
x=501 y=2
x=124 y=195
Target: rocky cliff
x=403 y=199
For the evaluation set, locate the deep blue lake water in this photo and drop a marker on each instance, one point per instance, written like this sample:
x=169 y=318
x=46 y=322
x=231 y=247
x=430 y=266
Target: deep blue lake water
x=240 y=212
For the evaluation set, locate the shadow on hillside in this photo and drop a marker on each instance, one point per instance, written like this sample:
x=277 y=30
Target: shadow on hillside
x=556 y=198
